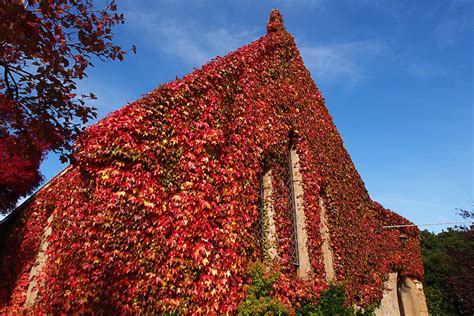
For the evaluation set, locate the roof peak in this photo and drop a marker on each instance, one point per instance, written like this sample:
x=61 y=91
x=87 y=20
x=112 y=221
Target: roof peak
x=275 y=22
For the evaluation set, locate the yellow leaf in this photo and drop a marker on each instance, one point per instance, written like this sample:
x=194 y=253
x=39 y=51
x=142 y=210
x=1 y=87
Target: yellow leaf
x=149 y=204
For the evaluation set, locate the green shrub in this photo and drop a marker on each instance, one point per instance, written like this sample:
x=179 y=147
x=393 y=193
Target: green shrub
x=331 y=302
x=260 y=298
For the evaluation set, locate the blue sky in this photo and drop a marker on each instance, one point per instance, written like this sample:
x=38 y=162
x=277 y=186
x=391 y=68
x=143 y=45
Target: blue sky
x=397 y=77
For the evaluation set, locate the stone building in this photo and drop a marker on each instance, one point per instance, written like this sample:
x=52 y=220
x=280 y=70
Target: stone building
x=172 y=198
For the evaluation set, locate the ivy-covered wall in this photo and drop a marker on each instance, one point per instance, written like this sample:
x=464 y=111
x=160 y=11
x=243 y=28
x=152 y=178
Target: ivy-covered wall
x=160 y=207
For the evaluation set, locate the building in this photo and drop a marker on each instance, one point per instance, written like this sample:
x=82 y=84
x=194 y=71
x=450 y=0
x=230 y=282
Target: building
x=173 y=197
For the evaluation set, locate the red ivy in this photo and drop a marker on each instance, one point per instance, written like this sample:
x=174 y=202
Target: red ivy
x=158 y=214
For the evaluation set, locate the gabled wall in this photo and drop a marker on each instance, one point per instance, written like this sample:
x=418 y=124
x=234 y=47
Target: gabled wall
x=160 y=208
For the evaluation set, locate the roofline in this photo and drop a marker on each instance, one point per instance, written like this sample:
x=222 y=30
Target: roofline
x=18 y=208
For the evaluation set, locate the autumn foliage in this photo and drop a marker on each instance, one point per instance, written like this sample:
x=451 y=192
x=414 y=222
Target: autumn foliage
x=18 y=160
x=46 y=47
x=159 y=211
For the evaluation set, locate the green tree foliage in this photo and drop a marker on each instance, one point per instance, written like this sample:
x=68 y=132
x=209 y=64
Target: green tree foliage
x=449 y=269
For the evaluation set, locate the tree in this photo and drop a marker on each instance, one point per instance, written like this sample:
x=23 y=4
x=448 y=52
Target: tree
x=448 y=258
x=460 y=276
x=46 y=47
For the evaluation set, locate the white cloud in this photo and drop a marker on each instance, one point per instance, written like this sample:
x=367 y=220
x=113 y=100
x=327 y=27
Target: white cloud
x=425 y=69
x=447 y=33
x=341 y=61
x=189 y=42
x=351 y=62
x=454 y=23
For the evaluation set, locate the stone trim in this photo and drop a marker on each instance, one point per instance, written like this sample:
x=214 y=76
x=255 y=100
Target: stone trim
x=304 y=268
x=405 y=298
x=270 y=243
x=389 y=304
x=328 y=256
x=32 y=292
x=412 y=298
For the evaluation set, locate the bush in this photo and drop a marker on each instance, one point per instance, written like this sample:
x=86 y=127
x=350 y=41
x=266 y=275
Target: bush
x=260 y=298
x=331 y=302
